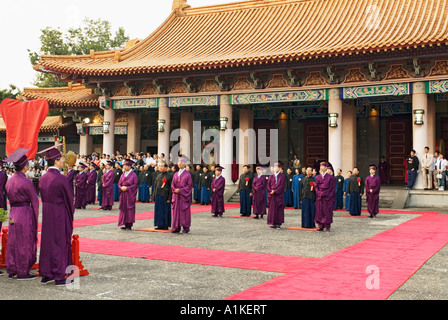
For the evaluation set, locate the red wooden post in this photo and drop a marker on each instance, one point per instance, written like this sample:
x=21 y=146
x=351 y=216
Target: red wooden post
x=4 y=245
x=76 y=258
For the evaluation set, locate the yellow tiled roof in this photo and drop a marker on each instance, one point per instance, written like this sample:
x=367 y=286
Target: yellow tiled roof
x=263 y=31
x=75 y=95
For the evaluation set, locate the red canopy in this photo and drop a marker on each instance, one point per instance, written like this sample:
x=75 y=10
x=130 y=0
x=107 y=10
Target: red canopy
x=23 y=121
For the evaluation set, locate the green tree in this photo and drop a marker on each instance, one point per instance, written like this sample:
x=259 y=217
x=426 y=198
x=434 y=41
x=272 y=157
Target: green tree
x=10 y=93
x=92 y=35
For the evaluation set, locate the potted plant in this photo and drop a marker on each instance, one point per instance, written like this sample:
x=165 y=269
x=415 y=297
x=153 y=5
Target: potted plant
x=3 y=216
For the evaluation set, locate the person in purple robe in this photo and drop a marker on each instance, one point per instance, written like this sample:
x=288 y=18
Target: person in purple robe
x=325 y=187
x=128 y=187
x=57 y=221
x=276 y=189
x=91 y=183
x=372 y=190
x=108 y=187
x=21 y=252
x=3 y=179
x=81 y=187
x=383 y=170
x=259 y=190
x=218 y=186
x=71 y=179
x=182 y=188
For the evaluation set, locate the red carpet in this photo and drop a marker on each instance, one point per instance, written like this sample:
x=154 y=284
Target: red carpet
x=343 y=275
x=397 y=253
x=221 y=258
x=85 y=222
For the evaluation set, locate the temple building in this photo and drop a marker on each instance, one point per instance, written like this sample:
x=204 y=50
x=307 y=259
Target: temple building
x=343 y=80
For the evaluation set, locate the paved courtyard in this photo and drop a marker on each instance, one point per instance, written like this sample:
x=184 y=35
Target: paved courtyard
x=241 y=258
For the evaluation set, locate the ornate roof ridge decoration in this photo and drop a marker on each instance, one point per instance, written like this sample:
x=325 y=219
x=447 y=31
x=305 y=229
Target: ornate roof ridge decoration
x=255 y=33
x=180 y=5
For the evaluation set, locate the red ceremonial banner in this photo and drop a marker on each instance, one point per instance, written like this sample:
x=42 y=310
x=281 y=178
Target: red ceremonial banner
x=23 y=121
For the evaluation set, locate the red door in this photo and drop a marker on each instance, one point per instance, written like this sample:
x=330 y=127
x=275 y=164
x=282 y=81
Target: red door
x=398 y=146
x=315 y=141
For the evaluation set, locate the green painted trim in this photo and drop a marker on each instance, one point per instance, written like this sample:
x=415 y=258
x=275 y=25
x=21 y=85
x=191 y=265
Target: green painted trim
x=395 y=89
x=276 y=97
x=436 y=86
x=129 y=104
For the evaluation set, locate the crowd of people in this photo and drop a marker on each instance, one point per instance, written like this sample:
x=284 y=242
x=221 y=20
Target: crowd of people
x=173 y=187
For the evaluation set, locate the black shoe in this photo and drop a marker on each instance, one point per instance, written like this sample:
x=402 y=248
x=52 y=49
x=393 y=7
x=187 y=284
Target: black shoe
x=46 y=280
x=60 y=282
x=256 y=217
x=12 y=276
x=26 y=277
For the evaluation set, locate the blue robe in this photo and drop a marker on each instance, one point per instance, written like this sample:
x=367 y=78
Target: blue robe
x=347 y=197
x=296 y=183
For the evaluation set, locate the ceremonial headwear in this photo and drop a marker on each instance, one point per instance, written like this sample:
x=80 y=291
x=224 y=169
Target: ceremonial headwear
x=83 y=166
x=128 y=163
x=110 y=163
x=219 y=168
x=324 y=163
x=52 y=153
x=279 y=164
x=93 y=164
x=184 y=159
x=372 y=167
x=19 y=158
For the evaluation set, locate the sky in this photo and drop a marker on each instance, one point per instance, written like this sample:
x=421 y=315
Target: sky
x=21 y=22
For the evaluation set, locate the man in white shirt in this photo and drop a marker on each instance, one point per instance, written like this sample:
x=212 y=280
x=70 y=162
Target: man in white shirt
x=441 y=167
x=149 y=160
x=427 y=161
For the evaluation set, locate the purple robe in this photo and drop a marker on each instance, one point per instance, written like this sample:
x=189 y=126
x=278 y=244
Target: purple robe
x=71 y=178
x=127 y=198
x=57 y=225
x=108 y=189
x=181 y=201
x=259 y=185
x=373 y=197
x=81 y=187
x=276 y=212
x=325 y=188
x=91 y=187
x=3 y=179
x=383 y=172
x=21 y=251
x=218 y=185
